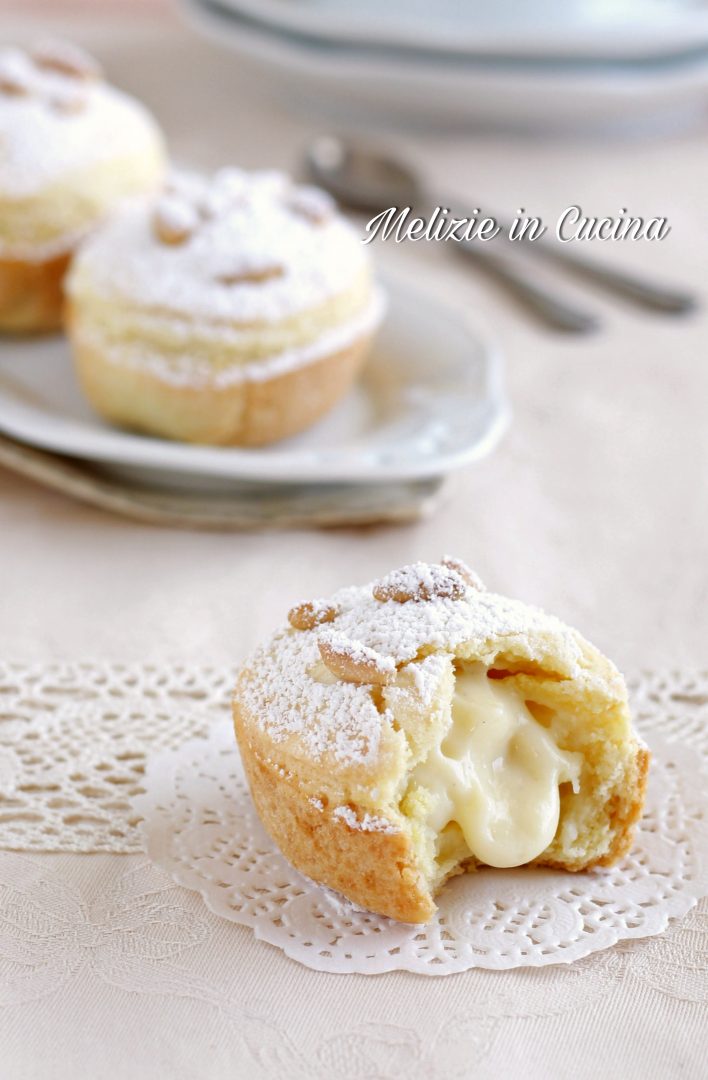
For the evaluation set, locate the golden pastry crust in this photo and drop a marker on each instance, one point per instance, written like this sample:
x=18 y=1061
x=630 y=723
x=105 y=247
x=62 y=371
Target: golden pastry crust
x=374 y=869
x=222 y=312
x=241 y=414
x=380 y=870
x=332 y=765
x=31 y=294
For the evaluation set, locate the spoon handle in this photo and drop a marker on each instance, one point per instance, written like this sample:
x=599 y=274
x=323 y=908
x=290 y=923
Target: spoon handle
x=626 y=283
x=647 y=294
x=552 y=310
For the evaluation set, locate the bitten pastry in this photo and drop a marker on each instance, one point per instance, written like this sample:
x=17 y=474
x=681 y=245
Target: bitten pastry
x=71 y=148
x=234 y=310
x=402 y=732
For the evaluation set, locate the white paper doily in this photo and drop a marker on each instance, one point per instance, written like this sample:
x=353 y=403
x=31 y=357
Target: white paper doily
x=200 y=826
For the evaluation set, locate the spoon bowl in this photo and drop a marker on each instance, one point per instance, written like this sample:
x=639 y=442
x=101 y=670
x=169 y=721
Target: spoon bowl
x=361 y=177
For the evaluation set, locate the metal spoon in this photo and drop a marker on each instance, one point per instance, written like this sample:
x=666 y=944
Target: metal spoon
x=365 y=179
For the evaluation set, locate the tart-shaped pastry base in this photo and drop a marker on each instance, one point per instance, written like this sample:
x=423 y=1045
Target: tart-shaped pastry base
x=240 y=412
x=401 y=733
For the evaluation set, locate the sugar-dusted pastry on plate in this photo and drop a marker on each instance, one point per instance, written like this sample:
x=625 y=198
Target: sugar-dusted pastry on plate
x=402 y=732
x=234 y=309
x=71 y=148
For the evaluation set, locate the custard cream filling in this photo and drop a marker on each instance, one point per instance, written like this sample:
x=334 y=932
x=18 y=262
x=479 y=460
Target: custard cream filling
x=496 y=773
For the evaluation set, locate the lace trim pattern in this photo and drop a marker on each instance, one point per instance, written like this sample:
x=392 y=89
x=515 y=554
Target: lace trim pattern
x=76 y=740
x=200 y=826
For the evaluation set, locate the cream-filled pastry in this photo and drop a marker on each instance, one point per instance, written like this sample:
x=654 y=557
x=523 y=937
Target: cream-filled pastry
x=399 y=733
x=235 y=309
x=71 y=148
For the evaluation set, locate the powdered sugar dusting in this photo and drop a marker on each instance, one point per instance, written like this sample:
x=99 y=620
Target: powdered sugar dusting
x=16 y=72
x=420 y=581
x=175 y=218
x=183 y=369
x=340 y=717
x=426 y=674
x=340 y=721
x=466 y=573
x=310 y=614
x=403 y=630
x=313 y=203
x=44 y=137
x=364 y=823
x=356 y=652
x=249 y=226
x=56 y=54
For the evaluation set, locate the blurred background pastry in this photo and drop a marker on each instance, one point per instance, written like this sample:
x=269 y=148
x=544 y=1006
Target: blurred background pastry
x=234 y=310
x=71 y=148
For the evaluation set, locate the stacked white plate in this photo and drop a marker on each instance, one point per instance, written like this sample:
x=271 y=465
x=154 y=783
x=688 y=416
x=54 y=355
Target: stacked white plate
x=554 y=63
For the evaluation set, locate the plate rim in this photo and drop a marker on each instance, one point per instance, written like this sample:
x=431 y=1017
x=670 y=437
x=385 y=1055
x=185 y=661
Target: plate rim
x=135 y=451
x=584 y=44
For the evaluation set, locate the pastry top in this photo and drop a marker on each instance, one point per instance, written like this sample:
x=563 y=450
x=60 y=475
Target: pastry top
x=233 y=249
x=353 y=683
x=58 y=117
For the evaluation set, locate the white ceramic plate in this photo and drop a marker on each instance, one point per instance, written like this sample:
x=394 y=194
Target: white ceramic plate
x=430 y=400
x=546 y=29
x=356 y=84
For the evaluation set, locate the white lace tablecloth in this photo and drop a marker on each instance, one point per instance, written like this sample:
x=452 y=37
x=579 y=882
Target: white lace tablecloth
x=593 y=507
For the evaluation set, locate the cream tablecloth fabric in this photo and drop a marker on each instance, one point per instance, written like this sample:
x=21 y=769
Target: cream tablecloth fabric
x=594 y=506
